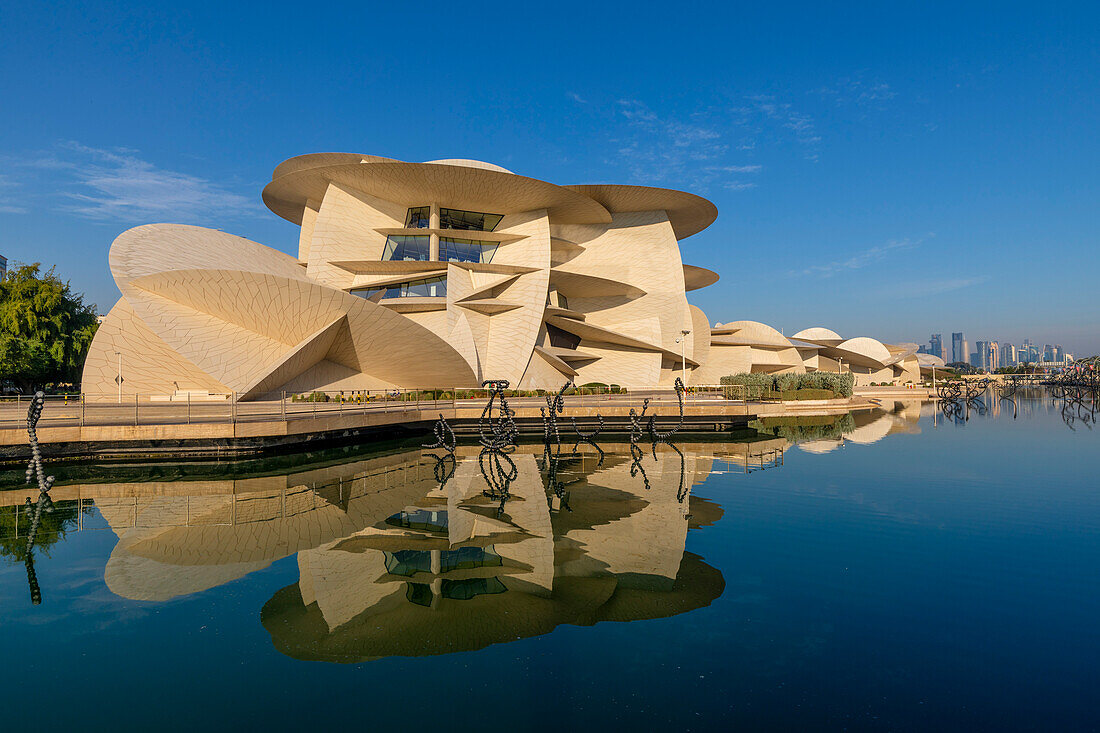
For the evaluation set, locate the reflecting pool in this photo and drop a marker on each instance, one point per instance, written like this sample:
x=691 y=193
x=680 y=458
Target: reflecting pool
x=898 y=569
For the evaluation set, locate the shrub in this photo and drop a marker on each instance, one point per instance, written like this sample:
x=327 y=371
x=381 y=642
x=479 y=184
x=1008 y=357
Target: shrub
x=313 y=397
x=760 y=385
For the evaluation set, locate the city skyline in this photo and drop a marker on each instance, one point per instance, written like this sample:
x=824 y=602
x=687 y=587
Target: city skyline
x=904 y=160
x=993 y=353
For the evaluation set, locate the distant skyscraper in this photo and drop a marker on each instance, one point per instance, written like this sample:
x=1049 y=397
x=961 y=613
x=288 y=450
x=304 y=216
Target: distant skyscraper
x=936 y=346
x=986 y=355
x=1059 y=353
x=959 y=349
x=3 y=267
x=1008 y=355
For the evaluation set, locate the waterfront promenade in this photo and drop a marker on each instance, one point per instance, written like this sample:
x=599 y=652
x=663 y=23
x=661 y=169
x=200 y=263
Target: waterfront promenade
x=74 y=428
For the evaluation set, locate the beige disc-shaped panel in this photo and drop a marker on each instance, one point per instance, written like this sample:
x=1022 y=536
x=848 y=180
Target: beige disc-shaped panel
x=260 y=322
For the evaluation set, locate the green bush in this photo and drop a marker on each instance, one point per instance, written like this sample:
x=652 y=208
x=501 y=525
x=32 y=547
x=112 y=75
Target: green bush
x=760 y=385
x=313 y=397
x=807 y=394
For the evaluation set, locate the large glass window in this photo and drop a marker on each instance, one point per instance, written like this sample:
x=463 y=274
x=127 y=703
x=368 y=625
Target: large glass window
x=457 y=219
x=418 y=217
x=407 y=247
x=459 y=590
x=466 y=250
x=410 y=562
x=432 y=287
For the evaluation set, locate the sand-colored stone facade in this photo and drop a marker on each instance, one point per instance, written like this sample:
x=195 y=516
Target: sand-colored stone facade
x=438 y=275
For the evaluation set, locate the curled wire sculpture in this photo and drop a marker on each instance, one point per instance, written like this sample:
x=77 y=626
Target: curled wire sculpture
x=444 y=436
x=498 y=439
x=555 y=405
x=958 y=398
x=588 y=437
x=35 y=474
x=500 y=431
x=34 y=467
x=445 y=464
x=657 y=435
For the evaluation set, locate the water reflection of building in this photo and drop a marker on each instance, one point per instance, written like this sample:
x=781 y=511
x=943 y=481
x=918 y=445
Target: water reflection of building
x=447 y=574
x=865 y=428
x=380 y=545
x=171 y=545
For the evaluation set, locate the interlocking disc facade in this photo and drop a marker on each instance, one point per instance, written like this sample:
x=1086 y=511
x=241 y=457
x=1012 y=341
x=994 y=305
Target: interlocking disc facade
x=437 y=275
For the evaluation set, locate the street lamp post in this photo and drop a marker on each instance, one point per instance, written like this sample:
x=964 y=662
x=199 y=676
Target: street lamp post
x=683 y=355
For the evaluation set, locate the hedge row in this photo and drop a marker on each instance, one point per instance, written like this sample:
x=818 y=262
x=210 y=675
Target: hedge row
x=839 y=384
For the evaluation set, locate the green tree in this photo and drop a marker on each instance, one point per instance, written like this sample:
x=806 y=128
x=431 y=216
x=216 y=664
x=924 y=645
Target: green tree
x=45 y=328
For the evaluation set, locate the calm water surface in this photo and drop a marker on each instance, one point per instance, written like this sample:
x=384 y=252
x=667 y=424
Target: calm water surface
x=894 y=571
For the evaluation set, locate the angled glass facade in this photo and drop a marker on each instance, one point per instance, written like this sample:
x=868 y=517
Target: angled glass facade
x=418 y=217
x=466 y=250
x=407 y=247
x=474 y=220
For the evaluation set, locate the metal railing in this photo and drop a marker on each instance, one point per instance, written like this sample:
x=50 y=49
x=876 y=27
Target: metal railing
x=186 y=408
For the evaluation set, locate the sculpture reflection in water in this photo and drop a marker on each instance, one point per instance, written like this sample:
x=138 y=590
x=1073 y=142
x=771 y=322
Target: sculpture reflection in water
x=397 y=558
x=35 y=474
x=1075 y=392
x=448 y=573
x=498 y=440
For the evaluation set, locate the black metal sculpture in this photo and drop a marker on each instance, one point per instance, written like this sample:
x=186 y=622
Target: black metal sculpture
x=498 y=439
x=35 y=474
x=659 y=436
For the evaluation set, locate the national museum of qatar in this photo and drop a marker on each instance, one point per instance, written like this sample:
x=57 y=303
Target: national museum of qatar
x=439 y=275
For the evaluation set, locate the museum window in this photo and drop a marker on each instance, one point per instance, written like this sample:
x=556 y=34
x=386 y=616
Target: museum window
x=409 y=562
x=425 y=519
x=466 y=250
x=432 y=287
x=458 y=590
x=561 y=338
x=464 y=558
x=415 y=247
x=475 y=220
x=419 y=217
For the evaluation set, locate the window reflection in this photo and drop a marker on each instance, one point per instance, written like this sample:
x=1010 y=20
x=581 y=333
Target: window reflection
x=418 y=217
x=458 y=219
x=432 y=287
x=459 y=590
x=466 y=250
x=407 y=247
x=410 y=562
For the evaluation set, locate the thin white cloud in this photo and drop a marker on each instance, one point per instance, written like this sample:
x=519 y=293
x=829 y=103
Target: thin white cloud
x=858 y=91
x=693 y=152
x=117 y=185
x=766 y=115
x=576 y=98
x=737 y=168
x=7 y=203
x=929 y=288
x=859 y=259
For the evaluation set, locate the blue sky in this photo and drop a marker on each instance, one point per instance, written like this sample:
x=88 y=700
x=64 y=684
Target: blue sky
x=889 y=169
